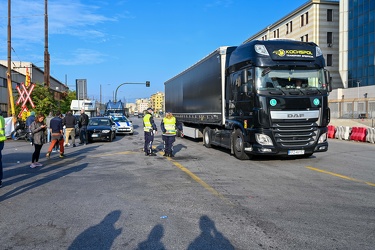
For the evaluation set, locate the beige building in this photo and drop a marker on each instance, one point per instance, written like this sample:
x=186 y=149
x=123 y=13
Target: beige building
x=142 y=104
x=157 y=102
x=315 y=21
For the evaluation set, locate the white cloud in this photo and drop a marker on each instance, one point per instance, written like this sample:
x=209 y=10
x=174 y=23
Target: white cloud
x=82 y=56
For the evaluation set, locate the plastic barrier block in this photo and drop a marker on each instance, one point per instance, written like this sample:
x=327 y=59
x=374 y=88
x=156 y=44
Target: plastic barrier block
x=331 y=131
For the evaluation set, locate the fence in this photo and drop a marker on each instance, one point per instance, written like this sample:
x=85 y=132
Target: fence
x=355 y=108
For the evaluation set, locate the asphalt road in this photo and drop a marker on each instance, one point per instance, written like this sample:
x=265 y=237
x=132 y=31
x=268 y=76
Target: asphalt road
x=111 y=196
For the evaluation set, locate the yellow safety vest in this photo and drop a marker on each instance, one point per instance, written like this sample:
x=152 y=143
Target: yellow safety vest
x=147 y=124
x=170 y=125
x=2 y=129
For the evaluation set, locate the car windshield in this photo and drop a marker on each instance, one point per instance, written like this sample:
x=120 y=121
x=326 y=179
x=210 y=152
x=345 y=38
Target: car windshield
x=267 y=78
x=99 y=122
x=120 y=119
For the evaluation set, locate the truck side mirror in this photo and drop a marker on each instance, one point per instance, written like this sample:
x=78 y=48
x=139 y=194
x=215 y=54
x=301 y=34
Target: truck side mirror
x=328 y=80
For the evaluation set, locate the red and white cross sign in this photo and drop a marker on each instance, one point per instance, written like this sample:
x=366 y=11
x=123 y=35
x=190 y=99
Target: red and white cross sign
x=25 y=95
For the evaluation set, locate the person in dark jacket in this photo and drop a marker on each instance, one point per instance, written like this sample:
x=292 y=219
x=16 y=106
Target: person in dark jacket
x=149 y=131
x=83 y=122
x=38 y=129
x=69 y=121
x=57 y=135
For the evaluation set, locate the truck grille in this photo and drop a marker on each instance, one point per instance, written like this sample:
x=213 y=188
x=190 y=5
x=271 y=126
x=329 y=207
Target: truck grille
x=295 y=135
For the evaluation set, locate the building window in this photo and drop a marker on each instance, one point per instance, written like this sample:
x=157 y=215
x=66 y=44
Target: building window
x=329 y=15
x=289 y=27
x=307 y=17
x=264 y=38
x=302 y=22
x=304 y=38
x=329 y=59
x=276 y=33
x=329 y=38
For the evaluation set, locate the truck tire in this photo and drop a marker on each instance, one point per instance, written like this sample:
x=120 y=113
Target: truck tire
x=239 y=146
x=207 y=137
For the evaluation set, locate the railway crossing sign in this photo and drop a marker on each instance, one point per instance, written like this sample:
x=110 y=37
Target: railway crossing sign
x=25 y=95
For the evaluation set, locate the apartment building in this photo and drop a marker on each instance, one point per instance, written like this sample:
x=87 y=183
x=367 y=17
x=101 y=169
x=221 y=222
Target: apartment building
x=315 y=21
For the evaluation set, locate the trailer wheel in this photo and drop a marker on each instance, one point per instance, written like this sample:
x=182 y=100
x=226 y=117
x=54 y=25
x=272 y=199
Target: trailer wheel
x=239 y=146
x=207 y=137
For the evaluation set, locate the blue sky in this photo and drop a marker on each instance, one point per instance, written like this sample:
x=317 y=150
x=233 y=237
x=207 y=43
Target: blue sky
x=134 y=41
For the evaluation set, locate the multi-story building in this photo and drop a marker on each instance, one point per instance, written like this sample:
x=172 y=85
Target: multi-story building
x=142 y=104
x=315 y=21
x=157 y=102
x=345 y=31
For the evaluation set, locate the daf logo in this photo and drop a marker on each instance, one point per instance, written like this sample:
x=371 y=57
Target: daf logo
x=296 y=115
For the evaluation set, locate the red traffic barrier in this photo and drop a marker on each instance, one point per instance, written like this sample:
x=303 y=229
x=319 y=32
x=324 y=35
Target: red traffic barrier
x=358 y=134
x=331 y=131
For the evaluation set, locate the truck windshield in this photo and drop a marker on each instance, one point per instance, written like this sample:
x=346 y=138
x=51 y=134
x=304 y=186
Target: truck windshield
x=285 y=79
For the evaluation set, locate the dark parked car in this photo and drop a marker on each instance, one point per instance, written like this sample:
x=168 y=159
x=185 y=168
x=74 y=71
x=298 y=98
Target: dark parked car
x=101 y=128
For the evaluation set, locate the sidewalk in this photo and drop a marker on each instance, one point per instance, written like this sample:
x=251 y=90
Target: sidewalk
x=368 y=123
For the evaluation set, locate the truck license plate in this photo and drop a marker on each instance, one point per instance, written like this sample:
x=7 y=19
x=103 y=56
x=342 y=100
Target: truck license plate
x=296 y=152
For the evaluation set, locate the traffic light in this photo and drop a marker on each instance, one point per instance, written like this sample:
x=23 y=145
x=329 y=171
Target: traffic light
x=147 y=83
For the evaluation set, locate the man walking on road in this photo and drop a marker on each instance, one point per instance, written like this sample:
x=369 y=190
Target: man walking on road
x=150 y=130
x=83 y=122
x=57 y=135
x=69 y=122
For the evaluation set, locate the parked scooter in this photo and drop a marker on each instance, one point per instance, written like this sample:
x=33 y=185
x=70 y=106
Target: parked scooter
x=21 y=132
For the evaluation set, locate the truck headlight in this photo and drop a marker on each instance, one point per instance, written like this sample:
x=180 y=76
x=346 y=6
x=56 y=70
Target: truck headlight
x=322 y=138
x=263 y=139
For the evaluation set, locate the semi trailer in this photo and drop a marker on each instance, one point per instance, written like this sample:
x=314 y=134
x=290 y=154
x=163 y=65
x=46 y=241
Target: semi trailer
x=260 y=98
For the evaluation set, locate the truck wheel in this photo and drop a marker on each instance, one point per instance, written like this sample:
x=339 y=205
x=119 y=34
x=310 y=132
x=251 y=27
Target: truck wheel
x=207 y=137
x=239 y=146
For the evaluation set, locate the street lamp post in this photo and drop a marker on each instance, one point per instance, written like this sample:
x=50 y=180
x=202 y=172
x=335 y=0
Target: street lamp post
x=115 y=97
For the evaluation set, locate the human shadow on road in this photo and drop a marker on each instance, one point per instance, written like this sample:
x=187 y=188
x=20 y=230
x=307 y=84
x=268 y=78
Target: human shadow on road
x=153 y=240
x=210 y=237
x=100 y=236
x=39 y=182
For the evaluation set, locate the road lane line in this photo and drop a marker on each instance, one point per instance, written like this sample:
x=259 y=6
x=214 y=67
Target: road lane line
x=200 y=181
x=340 y=176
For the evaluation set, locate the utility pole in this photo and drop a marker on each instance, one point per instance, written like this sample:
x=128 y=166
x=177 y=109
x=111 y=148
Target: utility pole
x=46 y=54
x=9 y=71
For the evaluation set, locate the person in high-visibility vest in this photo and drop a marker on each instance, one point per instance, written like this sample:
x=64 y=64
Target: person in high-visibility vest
x=3 y=138
x=169 y=126
x=150 y=130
